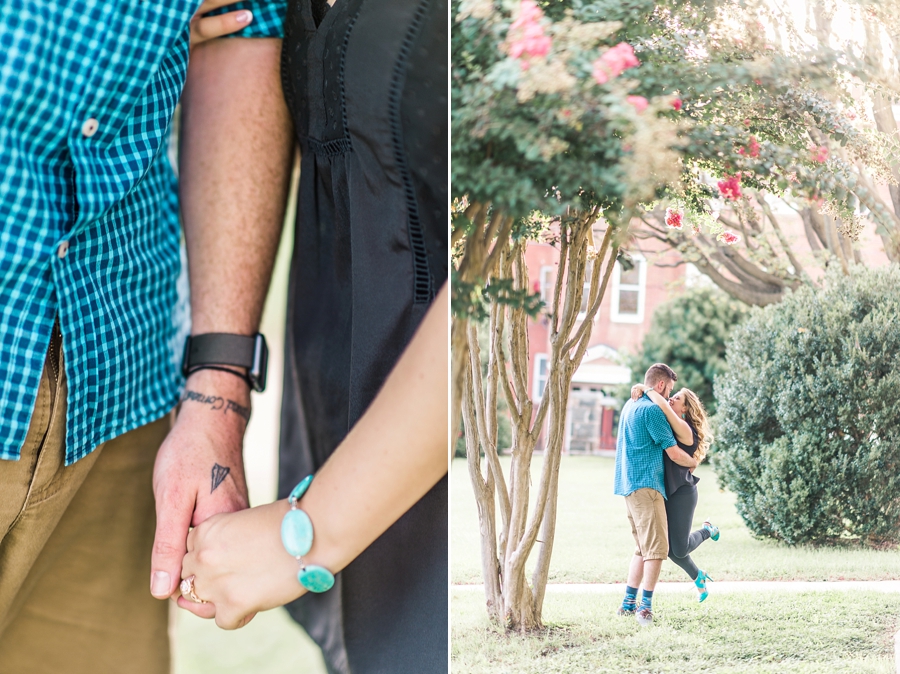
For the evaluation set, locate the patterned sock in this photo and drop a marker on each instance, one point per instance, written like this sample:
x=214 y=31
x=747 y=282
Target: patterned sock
x=647 y=599
x=630 y=601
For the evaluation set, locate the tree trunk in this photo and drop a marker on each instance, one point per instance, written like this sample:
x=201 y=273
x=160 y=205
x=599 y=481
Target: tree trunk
x=506 y=550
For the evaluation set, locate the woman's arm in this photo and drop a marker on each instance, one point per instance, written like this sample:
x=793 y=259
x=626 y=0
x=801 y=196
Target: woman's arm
x=680 y=427
x=391 y=458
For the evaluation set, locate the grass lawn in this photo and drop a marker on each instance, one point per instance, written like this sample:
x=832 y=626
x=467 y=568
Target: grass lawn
x=808 y=633
x=594 y=544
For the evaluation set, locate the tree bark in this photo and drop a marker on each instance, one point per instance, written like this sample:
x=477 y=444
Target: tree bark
x=504 y=557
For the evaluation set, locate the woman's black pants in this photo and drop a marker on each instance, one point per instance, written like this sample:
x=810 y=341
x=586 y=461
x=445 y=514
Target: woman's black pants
x=680 y=513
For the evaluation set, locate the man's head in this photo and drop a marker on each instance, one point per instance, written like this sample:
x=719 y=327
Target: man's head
x=661 y=378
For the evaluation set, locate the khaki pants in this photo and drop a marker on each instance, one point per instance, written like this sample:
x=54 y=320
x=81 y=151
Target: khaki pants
x=649 y=523
x=75 y=548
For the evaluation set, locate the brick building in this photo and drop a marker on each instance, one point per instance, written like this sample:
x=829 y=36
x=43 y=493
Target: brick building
x=624 y=318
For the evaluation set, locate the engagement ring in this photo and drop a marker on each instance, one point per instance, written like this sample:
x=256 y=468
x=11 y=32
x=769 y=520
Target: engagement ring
x=187 y=591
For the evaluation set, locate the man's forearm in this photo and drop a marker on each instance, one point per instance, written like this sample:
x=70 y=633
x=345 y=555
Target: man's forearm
x=681 y=457
x=235 y=161
x=236 y=151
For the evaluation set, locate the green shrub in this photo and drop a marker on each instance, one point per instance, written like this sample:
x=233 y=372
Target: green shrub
x=689 y=334
x=808 y=428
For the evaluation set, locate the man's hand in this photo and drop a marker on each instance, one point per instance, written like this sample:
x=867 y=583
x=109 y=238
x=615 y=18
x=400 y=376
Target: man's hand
x=205 y=28
x=199 y=469
x=240 y=566
x=681 y=457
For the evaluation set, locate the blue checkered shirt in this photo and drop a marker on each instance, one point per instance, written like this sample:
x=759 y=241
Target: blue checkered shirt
x=644 y=434
x=89 y=210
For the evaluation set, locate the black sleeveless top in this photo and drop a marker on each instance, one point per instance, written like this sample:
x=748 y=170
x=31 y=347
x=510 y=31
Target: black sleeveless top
x=679 y=476
x=366 y=84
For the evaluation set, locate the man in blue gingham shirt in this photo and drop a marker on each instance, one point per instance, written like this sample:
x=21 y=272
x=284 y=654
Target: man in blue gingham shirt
x=91 y=324
x=643 y=435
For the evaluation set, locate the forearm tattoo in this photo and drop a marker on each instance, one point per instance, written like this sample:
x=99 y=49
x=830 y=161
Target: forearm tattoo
x=217 y=403
x=219 y=473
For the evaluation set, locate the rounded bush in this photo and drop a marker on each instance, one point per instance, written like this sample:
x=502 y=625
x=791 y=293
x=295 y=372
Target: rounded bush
x=808 y=424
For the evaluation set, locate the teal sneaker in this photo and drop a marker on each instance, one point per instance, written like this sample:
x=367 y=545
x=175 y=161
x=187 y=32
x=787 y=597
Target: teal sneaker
x=702 y=577
x=712 y=529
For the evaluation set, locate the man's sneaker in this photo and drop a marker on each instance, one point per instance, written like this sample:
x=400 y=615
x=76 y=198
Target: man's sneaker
x=625 y=611
x=644 y=617
x=712 y=529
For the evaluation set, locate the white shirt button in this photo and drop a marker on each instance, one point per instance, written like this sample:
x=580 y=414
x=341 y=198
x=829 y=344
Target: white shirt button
x=89 y=128
x=62 y=249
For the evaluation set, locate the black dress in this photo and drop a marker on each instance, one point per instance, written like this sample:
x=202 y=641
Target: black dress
x=366 y=83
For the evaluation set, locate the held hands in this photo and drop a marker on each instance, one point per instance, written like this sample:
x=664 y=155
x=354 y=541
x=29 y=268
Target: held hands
x=199 y=470
x=637 y=391
x=239 y=566
x=205 y=28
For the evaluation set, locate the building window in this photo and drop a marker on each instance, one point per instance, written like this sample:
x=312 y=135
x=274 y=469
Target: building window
x=586 y=291
x=541 y=363
x=629 y=290
x=548 y=282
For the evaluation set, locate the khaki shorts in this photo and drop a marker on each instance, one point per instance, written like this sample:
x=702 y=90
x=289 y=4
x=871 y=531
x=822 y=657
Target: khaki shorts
x=649 y=526
x=75 y=544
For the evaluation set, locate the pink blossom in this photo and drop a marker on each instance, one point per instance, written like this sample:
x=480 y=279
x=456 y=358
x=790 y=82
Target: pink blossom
x=677 y=104
x=820 y=154
x=731 y=187
x=752 y=148
x=674 y=218
x=526 y=34
x=746 y=122
x=729 y=237
x=639 y=102
x=613 y=62
x=529 y=12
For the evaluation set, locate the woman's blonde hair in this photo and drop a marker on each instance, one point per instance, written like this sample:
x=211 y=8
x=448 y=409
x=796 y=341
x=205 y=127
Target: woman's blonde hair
x=695 y=415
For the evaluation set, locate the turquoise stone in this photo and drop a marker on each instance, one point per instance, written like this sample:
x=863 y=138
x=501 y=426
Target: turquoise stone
x=296 y=533
x=316 y=578
x=301 y=488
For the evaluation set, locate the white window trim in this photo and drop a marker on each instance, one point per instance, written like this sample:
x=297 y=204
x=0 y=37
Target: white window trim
x=538 y=359
x=547 y=271
x=641 y=289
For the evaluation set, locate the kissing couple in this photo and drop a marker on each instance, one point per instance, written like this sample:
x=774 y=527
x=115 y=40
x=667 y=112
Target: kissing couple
x=661 y=440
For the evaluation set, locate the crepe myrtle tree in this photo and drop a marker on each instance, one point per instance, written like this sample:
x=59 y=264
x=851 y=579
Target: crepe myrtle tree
x=569 y=124
x=797 y=120
x=548 y=142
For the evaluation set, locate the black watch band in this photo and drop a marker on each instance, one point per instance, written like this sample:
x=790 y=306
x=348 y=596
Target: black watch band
x=222 y=348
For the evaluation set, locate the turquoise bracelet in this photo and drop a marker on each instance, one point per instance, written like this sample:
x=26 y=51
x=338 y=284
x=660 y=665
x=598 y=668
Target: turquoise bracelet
x=297 y=537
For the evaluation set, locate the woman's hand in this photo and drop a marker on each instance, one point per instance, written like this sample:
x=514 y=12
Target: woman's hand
x=240 y=566
x=205 y=28
x=637 y=391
